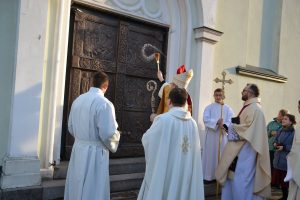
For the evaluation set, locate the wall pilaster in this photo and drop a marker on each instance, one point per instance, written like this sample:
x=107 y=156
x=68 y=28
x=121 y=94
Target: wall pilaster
x=206 y=38
x=21 y=166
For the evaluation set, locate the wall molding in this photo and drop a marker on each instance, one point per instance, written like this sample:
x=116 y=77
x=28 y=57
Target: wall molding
x=259 y=72
x=207 y=34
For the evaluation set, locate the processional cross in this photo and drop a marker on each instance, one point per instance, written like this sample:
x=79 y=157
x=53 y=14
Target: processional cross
x=223 y=81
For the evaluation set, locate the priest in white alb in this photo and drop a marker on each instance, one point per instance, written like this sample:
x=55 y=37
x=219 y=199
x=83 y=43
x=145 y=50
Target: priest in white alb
x=244 y=169
x=92 y=123
x=214 y=116
x=173 y=154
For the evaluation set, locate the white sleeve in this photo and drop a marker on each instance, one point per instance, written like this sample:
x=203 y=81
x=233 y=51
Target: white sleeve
x=208 y=120
x=70 y=123
x=160 y=92
x=229 y=115
x=107 y=127
x=232 y=134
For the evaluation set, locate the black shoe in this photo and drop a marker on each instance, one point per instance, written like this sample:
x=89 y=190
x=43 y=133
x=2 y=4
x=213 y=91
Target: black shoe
x=208 y=182
x=276 y=186
x=285 y=193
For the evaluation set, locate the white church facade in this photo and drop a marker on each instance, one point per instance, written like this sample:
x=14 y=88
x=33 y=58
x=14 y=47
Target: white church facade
x=253 y=41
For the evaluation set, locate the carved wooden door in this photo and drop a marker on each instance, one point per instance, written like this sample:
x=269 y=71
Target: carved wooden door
x=113 y=44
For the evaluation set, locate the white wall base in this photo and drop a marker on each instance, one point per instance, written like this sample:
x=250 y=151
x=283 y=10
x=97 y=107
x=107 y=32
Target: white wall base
x=20 y=172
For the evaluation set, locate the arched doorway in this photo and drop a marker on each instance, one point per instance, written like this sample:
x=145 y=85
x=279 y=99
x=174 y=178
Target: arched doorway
x=101 y=41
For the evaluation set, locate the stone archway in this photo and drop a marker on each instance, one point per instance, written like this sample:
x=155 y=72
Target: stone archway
x=180 y=16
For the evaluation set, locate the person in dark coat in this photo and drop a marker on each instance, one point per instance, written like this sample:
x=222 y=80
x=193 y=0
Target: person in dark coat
x=283 y=144
x=272 y=129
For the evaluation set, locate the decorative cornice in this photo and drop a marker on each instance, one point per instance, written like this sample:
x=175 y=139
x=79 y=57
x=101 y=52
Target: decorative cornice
x=138 y=7
x=141 y=6
x=139 y=11
x=207 y=34
x=259 y=72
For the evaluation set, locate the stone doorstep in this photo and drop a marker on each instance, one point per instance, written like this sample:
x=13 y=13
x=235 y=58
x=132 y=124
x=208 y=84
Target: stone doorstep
x=124 y=177
x=127 y=168
x=126 y=195
x=54 y=189
x=209 y=190
x=22 y=193
x=49 y=189
x=122 y=161
x=126 y=182
x=60 y=171
x=116 y=166
x=127 y=165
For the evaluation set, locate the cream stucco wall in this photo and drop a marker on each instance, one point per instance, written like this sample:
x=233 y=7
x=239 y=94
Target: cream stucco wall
x=9 y=16
x=289 y=55
x=232 y=48
x=246 y=40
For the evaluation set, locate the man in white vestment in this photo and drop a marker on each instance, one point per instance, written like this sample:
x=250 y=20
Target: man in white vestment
x=92 y=122
x=214 y=116
x=244 y=169
x=173 y=156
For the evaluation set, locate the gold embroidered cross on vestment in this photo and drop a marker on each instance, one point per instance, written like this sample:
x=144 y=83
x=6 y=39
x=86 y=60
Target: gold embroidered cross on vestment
x=185 y=145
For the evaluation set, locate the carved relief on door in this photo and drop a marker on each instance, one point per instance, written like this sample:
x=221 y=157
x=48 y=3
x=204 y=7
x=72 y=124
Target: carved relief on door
x=103 y=42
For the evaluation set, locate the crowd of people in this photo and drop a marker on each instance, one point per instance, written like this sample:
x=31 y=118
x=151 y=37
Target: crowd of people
x=240 y=153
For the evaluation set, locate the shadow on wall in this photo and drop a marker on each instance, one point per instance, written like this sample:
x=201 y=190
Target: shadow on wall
x=25 y=121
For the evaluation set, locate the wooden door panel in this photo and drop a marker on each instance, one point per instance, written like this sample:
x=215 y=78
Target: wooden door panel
x=138 y=98
x=113 y=44
x=100 y=41
x=80 y=81
x=134 y=125
x=131 y=54
x=111 y=92
x=93 y=64
x=136 y=72
x=96 y=36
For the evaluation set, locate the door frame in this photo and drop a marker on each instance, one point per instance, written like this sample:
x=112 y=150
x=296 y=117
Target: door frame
x=80 y=14
x=56 y=58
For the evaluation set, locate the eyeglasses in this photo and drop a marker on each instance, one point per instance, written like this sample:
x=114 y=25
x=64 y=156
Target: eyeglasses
x=246 y=91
